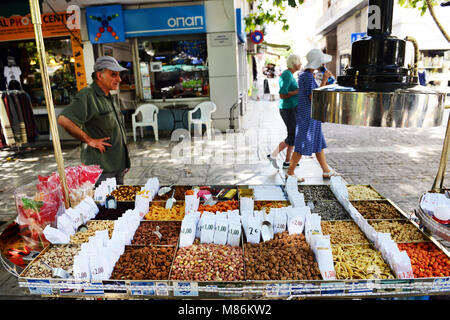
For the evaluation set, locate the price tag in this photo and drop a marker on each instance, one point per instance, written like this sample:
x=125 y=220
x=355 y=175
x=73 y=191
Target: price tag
x=234 y=234
x=187 y=232
x=40 y=289
x=162 y=289
x=92 y=290
x=253 y=230
x=441 y=285
x=221 y=231
x=148 y=290
x=185 y=289
x=207 y=232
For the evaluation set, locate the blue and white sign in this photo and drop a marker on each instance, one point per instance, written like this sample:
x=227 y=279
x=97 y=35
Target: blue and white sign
x=240 y=26
x=105 y=24
x=165 y=21
x=357 y=36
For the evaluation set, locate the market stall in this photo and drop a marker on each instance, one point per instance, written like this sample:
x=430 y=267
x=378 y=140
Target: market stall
x=239 y=242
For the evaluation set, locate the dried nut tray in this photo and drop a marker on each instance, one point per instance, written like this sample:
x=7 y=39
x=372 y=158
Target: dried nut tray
x=377 y=209
x=363 y=192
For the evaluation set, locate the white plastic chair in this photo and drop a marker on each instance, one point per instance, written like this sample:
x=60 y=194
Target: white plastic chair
x=206 y=109
x=149 y=114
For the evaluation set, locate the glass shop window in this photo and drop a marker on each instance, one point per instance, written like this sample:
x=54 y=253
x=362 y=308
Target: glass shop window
x=23 y=56
x=174 y=67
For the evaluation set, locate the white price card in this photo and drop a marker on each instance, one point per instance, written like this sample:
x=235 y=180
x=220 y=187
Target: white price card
x=185 y=289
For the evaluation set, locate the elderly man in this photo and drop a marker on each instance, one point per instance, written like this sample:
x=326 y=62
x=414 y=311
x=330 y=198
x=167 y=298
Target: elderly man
x=95 y=119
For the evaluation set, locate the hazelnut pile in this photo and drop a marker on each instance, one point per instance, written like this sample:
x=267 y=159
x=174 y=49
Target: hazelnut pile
x=286 y=257
x=145 y=233
x=144 y=263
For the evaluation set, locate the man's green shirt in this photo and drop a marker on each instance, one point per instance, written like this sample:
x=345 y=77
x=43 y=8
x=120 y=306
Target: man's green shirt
x=99 y=116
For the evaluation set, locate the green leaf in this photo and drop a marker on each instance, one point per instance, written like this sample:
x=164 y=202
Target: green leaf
x=32 y=204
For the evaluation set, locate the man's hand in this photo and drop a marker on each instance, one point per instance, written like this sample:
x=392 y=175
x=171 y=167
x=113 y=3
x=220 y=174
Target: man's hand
x=99 y=144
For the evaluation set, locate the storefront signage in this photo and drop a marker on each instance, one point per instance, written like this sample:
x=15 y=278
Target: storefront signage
x=165 y=21
x=221 y=40
x=105 y=24
x=357 y=36
x=21 y=27
x=240 y=26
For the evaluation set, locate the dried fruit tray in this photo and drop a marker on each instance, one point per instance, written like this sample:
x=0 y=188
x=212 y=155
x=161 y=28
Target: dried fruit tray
x=252 y=289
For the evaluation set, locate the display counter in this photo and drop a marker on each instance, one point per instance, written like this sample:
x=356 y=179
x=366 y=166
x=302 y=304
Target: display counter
x=152 y=268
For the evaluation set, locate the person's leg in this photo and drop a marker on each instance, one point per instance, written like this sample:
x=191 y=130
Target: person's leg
x=295 y=159
x=322 y=160
x=278 y=149
x=327 y=172
x=289 y=151
x=120 y=176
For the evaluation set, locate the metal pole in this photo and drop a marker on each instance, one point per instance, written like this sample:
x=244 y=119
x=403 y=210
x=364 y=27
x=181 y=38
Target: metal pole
x=439 y=180
x=36 y=19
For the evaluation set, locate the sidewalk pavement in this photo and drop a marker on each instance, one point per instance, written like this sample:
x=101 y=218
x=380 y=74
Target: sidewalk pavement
x=400 y=163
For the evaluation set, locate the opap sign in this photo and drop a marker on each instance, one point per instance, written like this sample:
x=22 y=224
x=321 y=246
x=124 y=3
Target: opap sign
x=164 y=21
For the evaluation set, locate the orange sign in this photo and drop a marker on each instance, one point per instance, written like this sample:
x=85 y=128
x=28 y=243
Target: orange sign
x=53 y=25
x=21 y=27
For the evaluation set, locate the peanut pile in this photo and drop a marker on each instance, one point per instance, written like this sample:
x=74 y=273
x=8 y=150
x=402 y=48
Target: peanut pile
x=208 y=262
x=286 y=257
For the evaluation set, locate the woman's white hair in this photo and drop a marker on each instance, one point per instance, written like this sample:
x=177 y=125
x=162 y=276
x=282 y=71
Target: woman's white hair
x=293 y=59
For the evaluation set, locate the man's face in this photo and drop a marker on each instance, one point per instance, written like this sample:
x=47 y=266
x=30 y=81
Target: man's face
x=109 y=79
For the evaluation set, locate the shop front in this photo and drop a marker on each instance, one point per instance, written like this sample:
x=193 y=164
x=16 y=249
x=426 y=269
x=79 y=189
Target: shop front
x=178 y=56
x=20 y=65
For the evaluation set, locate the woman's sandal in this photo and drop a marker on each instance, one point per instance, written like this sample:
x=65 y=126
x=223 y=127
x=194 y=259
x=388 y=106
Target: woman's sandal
x=298 y=178
x=329 y=174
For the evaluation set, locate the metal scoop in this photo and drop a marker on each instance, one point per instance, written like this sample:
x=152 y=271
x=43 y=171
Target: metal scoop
x=211 y=201
x=266 y=230
x=57 y=272
x=164 y=190
x=158 y=234
x=170 y=201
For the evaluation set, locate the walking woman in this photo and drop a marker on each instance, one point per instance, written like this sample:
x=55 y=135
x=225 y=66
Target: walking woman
x=288 y=109
x=308 y=134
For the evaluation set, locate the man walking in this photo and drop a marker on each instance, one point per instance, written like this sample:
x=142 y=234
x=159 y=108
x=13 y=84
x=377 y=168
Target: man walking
x=95 y=119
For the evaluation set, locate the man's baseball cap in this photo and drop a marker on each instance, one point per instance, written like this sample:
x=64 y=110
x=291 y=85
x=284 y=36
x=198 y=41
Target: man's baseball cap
x=108 y=62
